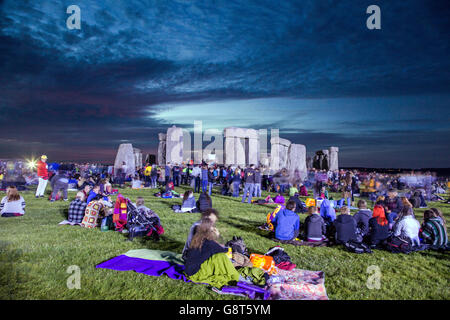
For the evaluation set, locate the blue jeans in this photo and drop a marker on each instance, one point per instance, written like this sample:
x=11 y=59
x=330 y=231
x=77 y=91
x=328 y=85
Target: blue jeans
x=197 y=184
x=210 y=186
x=248 y=187
x=204 y=185
x=236 y=185
x=257 y=190
x=154 y=185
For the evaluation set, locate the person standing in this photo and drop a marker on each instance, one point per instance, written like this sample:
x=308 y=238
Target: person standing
x=42 y=172
x=249 y=178
x=257 y=188
x=196 y=173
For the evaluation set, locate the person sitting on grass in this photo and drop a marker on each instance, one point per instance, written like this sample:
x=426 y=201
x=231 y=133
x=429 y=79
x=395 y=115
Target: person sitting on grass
x=210 y=214
x=13 y=204
x=406 y=226
x=93 y=194
x=378 y=226
x=362 y=218
x=293 y=190
x=204 y=202
x=279 y=199
x=315 y=228
x=299 y=204
x=136 y=183
x=206 y=259
x=77 y=208
x=433 y=230
x=345 y=226
x=188 y=204
x=287 y=223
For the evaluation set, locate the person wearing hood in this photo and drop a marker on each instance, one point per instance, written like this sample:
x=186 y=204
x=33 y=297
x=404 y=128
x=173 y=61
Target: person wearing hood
x=345 y=226
x=362 y=217
x=287 y=223
x=315 y=228
x=327 y=211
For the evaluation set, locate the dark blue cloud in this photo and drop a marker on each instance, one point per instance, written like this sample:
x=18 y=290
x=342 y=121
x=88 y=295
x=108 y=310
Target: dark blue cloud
x=110 y=80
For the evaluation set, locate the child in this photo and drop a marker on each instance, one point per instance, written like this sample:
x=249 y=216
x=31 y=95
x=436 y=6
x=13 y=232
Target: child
x=362 y=217
x=345 y=226
x=13 y=204
x=315 y=228
x=378 y=226
x=433 y=231
x=287 y=223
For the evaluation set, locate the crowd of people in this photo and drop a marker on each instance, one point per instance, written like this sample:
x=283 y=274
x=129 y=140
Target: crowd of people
x=392 y=217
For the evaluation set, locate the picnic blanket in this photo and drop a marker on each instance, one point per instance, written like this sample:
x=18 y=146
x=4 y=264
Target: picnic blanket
x=297 y=284
x=150 y=262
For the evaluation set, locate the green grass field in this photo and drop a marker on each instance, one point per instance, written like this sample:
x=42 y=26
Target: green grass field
x=36 y=252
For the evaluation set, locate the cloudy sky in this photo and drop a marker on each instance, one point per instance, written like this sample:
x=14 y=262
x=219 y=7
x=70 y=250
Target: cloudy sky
x=309 y=68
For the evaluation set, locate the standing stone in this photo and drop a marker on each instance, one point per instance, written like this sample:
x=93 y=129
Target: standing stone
x=334 y=159
x=125 y=154
x=137 y=157
x=174 y=145
x=162 y=149
x=279 y=153
x=241 y=146
x=296 y=163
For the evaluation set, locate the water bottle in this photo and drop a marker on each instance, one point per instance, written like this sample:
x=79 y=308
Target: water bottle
x=104 y=226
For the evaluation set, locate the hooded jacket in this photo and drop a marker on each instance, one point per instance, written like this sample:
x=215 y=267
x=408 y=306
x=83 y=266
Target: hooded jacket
x=327 y=211
x=315 y=227
x=345 y=226
x=362 y=218
x=286 y=224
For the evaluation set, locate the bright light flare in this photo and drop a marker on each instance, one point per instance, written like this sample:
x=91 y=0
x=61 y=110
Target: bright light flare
x=31 y=164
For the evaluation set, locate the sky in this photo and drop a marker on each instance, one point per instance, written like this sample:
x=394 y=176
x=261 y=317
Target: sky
x=310 y=68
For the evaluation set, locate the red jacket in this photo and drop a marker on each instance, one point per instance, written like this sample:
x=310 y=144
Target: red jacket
x=42 y=170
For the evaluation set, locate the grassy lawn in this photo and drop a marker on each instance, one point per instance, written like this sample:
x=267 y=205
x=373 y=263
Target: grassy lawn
x=35 y=253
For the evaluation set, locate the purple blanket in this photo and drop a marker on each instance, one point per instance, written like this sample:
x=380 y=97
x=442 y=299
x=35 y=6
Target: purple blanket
x=154 y=268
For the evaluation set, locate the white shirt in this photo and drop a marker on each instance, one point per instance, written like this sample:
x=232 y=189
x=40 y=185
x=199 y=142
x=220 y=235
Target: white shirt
x=407 y=227
x=17 y=206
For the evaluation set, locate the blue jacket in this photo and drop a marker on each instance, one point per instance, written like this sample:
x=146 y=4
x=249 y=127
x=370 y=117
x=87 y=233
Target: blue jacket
x=189 y=203
x=327 y=211
x=286 y=224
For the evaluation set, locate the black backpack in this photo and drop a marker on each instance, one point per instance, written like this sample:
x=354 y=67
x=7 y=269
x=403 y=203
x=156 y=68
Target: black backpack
x=357 y=247
x=237 y=245
x=398 y=245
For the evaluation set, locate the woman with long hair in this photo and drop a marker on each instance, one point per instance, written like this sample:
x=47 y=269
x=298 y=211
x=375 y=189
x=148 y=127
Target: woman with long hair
x=378 y=226
x=204 y=202
x=433 y=230
x=206 y=259
x=188 y=202
x=406 y=226
x=13 y=204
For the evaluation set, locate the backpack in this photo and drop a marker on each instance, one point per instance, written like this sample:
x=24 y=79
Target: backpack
x=237 y=245
x=398 y=245
x=415 y=201
x=356 y=247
